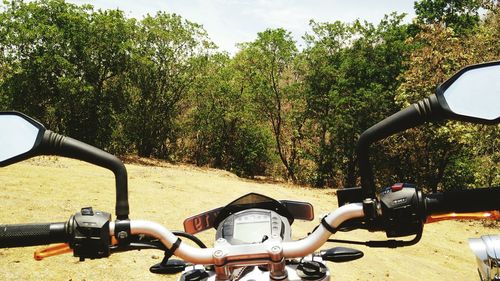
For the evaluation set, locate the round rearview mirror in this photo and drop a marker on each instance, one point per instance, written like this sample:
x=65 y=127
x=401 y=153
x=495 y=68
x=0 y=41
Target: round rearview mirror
x=19 y=136
x=473 y=94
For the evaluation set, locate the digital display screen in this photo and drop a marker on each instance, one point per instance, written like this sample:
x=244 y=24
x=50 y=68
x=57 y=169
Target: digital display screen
x=251 y=232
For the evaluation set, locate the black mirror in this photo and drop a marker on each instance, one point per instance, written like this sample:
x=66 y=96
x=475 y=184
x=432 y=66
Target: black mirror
x=472 y=94
x=20 y=136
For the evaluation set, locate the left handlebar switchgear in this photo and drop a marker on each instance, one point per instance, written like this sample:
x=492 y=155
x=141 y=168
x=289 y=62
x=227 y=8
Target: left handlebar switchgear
x=89 y=234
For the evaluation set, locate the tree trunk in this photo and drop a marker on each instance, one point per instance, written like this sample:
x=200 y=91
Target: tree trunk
x=350 y=179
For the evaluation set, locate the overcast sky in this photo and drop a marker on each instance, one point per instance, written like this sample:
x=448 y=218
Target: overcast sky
x=234 y=21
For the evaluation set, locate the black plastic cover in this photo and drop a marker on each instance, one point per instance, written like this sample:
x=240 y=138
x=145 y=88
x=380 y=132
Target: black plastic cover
x=251 y=201
x=170 y=267
x=341 y=254
x=311 y=270
x=194 y=275
x=90 y=234
x=349 y=195
x=402 y=210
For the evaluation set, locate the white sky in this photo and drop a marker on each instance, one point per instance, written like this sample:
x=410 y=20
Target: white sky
x=235 y=21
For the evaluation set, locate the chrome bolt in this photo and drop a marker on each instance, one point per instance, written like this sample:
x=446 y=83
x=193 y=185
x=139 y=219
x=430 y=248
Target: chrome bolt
x=122 y=235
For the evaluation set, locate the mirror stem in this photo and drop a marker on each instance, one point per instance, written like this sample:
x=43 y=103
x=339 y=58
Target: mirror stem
x=427 y=109
x=55 y=144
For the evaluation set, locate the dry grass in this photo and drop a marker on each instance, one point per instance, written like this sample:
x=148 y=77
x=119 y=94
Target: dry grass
x=51 y=189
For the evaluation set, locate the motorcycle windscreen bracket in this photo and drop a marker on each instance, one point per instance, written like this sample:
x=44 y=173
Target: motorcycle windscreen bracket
x=206 y=220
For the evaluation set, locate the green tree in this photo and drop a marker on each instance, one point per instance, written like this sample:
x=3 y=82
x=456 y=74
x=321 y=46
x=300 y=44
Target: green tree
x=32 y=40
x=167 y=57
x=486 y=151
x=4 y=71
x=351 y=80
x=486 y=148
x=447 y=155
x=267 y=65
x=63 y=63
x=431 y=150
x=103 y=57
x=226 y=133
x=461 y=15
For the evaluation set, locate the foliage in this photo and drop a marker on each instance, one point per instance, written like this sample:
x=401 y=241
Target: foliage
x=225 y=132
x=446 y=154
x=351 y=78
x=158 y=87
x=167 y=58
x=461 y=15
x=63 y=62
x=272 y=86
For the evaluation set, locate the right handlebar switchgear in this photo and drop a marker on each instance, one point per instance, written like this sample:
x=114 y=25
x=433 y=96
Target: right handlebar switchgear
x=401 y=207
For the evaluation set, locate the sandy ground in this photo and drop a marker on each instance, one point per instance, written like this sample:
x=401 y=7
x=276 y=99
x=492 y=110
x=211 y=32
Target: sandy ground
x=51 y=189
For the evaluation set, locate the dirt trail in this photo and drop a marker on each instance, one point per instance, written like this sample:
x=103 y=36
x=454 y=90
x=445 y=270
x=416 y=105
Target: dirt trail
x=51 y=189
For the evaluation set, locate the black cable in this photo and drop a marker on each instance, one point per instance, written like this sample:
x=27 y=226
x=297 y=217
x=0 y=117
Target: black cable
x=190 y=237
x=146 y=243
x=372 y=244
x=153 y=245
x=381 y=244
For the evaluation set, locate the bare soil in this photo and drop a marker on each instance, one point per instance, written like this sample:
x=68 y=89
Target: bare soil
x=50 y=189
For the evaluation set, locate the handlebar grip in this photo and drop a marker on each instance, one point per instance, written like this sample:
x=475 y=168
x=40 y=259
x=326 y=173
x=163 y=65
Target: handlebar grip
x=464 y=201
x=22 y=235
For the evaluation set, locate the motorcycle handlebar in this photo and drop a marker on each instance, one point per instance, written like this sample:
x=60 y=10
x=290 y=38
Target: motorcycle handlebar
x=291 y=249
x=484 y=199
x=463 y=201
x=22 y=235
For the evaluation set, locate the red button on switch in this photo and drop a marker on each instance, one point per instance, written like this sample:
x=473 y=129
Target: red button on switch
x=397 y=187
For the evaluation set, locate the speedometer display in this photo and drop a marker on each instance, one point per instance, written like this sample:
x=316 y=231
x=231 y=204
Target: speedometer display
x=252 y=231
x=253 y=226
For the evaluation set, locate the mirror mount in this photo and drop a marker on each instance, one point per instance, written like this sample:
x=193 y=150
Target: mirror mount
x=17 y=126
x=56 y=144
x=417 y=114
x=470 y=95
